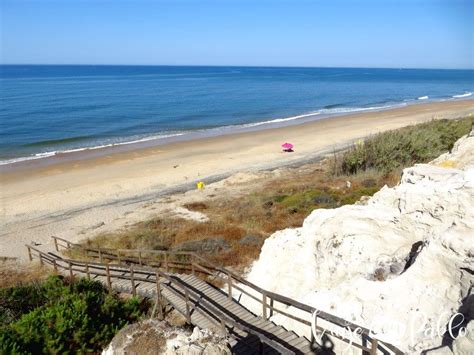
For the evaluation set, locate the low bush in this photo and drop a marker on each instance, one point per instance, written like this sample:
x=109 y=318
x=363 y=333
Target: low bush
x=388 y=151
x=59 y=316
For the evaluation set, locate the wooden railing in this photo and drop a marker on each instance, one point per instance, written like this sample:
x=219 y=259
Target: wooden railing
x=183 y=261
x=193 y=300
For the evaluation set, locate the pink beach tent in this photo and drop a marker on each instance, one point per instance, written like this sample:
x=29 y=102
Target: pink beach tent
x=287 y=147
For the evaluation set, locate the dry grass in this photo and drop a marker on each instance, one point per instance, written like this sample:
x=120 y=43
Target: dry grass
x=279 y=203
x=13 y=273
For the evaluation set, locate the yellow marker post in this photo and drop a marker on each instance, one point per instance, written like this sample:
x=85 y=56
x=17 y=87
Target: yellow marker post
x=200 y=185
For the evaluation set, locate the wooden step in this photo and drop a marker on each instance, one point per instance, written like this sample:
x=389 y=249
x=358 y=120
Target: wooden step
x=173 y=293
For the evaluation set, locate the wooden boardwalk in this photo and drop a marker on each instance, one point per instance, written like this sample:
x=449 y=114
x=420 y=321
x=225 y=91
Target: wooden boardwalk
x=177 y=280
x=232 y=309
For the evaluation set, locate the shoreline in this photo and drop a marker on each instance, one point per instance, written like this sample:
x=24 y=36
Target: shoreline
x=45 y=159
x=78 y=199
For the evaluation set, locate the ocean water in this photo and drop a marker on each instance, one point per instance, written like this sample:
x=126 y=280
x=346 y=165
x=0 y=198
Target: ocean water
x=46 y=110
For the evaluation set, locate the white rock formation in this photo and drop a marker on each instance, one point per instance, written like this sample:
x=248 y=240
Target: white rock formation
x=401 y=265
x=155 y=337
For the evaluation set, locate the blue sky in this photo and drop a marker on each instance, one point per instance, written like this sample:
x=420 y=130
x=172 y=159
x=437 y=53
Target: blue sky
x=334 y=33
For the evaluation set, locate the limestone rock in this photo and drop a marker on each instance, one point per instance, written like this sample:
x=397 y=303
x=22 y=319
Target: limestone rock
x=158 y=337
x=401 y=265
x=464 y=345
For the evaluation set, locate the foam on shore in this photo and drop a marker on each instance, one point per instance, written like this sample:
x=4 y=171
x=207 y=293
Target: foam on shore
x=75 y=150
x=210 y=132
x=466 y=94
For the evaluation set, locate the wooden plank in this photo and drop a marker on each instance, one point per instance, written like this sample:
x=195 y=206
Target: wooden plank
x=121 y=283
x=270 y=327
x=243 y=315
x=298 y=342
x=146 y=286
x=279 y=332
x=193 y=280
x=196 y=282
x=288 y=337
x=307 y=349
x=259 y=322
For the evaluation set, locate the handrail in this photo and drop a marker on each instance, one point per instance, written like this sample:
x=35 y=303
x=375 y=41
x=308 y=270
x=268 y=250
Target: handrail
x=278 y=297
x=89 y=266
x=273 y=297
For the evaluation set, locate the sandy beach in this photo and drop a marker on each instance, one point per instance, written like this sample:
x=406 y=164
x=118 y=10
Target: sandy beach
x=79 y=198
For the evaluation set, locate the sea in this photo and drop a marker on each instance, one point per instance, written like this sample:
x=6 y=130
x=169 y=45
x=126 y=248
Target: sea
x=49 y=110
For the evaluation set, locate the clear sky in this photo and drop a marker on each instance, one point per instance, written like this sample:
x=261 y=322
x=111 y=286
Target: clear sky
x=334 y=33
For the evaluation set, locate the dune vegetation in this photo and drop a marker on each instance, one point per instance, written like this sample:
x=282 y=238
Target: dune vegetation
x=392 y=150
x=58 y=315
x=242 y=223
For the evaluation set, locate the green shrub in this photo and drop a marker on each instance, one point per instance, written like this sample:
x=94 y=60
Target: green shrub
x=388 y=151
x=62 y=317
x=354 y=196
x=309 y=199
x=16 y=301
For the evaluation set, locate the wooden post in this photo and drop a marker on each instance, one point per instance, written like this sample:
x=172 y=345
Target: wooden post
x=56 y=244
x=41 y=258
x=166 y=262
x=71 y=275
x=373 y=349
x=192 y=265
x=100 y=256
x=87 y=271
x=188 y=312
x=55 y=266
x=158 y=295
x=109 y=283
x=229 y=286
x=271 y=307
x=264 y=306
x=29 y=253
x=224 y=329
x=132 y=280
x=140 y=258
x=313 y=335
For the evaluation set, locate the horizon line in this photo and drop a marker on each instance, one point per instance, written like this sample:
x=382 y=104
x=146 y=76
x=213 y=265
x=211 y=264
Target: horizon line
x=235 y=66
